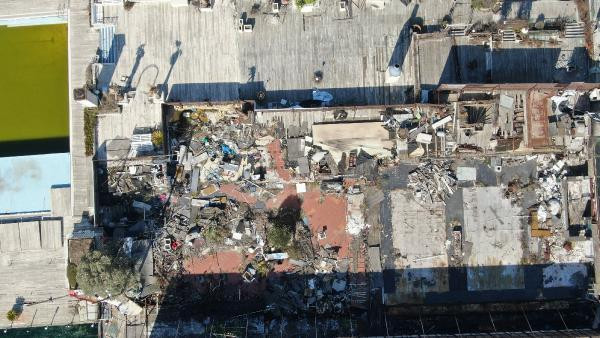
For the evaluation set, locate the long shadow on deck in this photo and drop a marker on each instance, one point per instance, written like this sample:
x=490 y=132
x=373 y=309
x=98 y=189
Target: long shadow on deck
x=475 y=64
x=233 y=91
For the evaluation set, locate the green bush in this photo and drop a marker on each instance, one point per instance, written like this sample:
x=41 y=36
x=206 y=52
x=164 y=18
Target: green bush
x=301 y=3
x=105 y=273
x=90 y=116
x=262 y=269
x=157 y=138
x=279 y=236
x=481 y=4
x=12 y=315
x=72 y=275
x=215 y=234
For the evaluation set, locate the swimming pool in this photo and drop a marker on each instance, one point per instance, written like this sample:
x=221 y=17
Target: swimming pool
x=34 y=117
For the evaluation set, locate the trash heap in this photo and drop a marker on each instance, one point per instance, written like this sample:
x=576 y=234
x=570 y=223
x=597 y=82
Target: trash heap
x=214 y=147
x=136 y=179
x=432 y=181
x=551 y=171
x=220 y=224
x=321 y=294
x=319 y=284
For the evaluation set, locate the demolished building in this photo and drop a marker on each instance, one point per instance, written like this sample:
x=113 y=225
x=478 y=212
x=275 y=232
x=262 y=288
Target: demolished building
x=325 y=210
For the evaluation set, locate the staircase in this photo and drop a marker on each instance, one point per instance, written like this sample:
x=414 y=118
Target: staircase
x=509 y=35
x=574 y=30
x=358 y=281
x=359 y=295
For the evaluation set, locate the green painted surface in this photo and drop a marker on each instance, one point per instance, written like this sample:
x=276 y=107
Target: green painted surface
x=34 y=84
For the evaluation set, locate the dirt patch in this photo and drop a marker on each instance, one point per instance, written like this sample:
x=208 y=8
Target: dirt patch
x=232 y=191
x=221 y=262
x=328 y=211
x=278 y=162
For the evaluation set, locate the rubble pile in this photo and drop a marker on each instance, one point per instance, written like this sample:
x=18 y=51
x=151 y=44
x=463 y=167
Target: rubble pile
x=136 y=179
x=550 y=174
x=210 y=196
x=276 y=208
x=432 y=181
x=319 y=294
x=320 y=283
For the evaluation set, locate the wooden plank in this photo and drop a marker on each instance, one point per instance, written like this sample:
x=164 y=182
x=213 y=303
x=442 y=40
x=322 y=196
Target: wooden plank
x=51 y=234
x=10 y=237
x=83 y=44
x=29 y=233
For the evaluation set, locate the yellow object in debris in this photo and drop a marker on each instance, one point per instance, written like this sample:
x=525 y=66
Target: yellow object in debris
x=535 y=227
x=201 y=116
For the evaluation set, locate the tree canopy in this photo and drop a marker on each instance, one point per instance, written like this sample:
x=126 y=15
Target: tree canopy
x=104 y=274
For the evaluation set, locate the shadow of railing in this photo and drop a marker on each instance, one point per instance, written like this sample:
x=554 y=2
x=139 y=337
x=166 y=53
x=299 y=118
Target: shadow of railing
x=233 y=91
x=476 y=64
x=164 y=87
x=403 y=43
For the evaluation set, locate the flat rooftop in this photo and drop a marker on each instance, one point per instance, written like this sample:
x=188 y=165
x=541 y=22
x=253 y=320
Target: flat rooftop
x=33 y=263
x=479 y=245
x=352 y=50
x=26 y=181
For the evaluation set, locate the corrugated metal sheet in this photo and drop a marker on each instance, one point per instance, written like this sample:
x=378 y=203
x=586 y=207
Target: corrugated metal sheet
x=107 y=45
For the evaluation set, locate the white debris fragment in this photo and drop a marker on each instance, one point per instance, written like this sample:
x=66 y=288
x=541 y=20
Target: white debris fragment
x=554 y=206
x=355 y=221
x=355 y=225
x=276 y=256
x=466 y=173
x=542 y=215
x=300 y=188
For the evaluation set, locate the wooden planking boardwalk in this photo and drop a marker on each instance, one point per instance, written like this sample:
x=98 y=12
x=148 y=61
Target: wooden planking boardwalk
x=83 y=42
x=20 y=8
x=353 y=53
x=217 y=60
x=183 y=49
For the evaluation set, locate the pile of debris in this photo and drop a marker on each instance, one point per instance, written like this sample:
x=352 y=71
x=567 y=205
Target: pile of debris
x=320 y=294
x=319 y=284
x=551 y=171
x=432 y=181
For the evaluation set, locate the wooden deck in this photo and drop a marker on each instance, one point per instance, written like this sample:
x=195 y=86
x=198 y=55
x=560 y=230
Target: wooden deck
x=202 y=55
x=187 y=52
x=352 y=49
x=83 y=42
x=33 y=264
x=19 y=8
